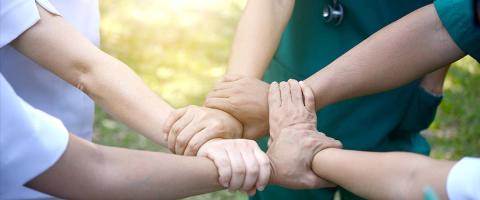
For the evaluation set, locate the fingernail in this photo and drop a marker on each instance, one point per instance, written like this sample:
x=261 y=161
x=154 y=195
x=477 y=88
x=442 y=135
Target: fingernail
x=224 y=184
x=261 y=188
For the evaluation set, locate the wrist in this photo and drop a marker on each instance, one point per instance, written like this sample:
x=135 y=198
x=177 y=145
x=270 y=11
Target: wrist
x=300 y=127
x=321 y=160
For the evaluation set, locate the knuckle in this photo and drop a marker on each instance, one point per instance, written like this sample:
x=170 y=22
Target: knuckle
x=181 y=141
x=239 y=171
x=175 y=130
x=253 y=171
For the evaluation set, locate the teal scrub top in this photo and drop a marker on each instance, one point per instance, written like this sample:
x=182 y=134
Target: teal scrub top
x=459 y=19
x=388 y=121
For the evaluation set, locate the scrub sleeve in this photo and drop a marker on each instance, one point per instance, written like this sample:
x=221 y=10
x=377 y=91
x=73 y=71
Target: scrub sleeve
x=458 y=18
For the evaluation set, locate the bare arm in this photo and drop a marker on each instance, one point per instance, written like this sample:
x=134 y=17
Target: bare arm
x=401 y=52
x=383 y=175
x=90 y=171
x=57 y=46
x=258 y=35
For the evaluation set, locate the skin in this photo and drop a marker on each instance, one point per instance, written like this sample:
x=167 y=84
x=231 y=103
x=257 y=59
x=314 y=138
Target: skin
x=233 y=176
x=74 y=59
x=192 y=123
x=292 y=166
x=418 y=42
x=244 y=96
x=104 y=172
x=371 y=174
x=270 y=17
x=412 y=173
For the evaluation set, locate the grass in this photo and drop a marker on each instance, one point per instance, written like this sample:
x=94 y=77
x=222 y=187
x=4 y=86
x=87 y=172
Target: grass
x=180 y=48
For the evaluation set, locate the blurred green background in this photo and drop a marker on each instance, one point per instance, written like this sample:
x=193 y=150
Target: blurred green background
x=180 y=48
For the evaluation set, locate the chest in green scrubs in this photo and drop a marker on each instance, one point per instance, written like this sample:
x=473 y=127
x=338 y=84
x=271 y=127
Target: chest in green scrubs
x=389 y=121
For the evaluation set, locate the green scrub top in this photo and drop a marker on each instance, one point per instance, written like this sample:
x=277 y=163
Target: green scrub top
x=388 y=121
x=458 y=18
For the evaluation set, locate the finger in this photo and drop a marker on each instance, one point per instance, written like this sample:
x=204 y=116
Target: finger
x=222 y=162
x=225 y=93
x=251 y=168
x=296 y=92
x=177 y=128
x=264 y=170
x=285 y=93
x=172 y=118
x=238 y=168
x=274 y=99
x=333 y=143
x=308 y=96
x=225 y=85
x=252 y=192
x=198 y=140
x=219 y=103
x=232 y=77
x=184 y=137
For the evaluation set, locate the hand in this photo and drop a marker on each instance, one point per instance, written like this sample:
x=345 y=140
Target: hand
x=244 y=98
x=289 y=108
x=241 y=164
x=187 y=129
x=296 y=140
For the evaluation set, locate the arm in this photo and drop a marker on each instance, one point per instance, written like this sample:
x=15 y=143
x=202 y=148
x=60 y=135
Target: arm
x=383 y=175
x=114 y=173
x=57 y=46
x=370 y=175
x=401 y=52
x=257 y=37
x=256 y=40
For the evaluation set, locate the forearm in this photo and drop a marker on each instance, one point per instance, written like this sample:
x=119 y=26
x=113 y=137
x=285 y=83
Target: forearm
x=383 y=175
x=397 y=54
x=89 y=171
x=57 y=46
x=257 y=37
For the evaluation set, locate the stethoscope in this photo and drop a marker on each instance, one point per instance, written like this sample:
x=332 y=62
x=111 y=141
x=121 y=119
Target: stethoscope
x=333 y=13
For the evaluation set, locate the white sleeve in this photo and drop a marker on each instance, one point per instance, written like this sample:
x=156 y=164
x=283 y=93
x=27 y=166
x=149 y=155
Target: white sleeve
x=31 y=141
x=463 y=181
x=16 y=16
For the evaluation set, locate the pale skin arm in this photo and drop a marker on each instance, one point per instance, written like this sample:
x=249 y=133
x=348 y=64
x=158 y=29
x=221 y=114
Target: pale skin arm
x=90 y=171
x=383 y=175
x=370 y=175
x=399 y=53
x=56 y=45
x=257 y=37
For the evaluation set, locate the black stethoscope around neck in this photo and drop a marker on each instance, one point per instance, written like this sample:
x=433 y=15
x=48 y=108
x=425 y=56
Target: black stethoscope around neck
x=333 y=13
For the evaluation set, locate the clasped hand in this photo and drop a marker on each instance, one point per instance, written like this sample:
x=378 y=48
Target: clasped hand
x=241 y=164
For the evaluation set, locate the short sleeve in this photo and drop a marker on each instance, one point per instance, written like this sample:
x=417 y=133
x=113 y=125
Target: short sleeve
x=31 y=141
x=463 y=180
x=16 y=16
x=458 y=17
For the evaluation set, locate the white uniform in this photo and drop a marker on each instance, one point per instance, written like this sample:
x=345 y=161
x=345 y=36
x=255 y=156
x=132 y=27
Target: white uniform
x=31 y=141
x=37 y=86
x=463 y=181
